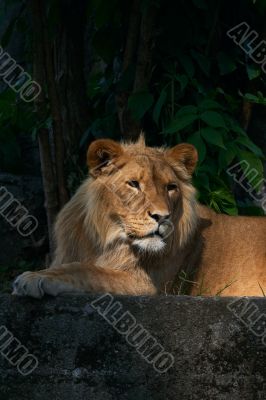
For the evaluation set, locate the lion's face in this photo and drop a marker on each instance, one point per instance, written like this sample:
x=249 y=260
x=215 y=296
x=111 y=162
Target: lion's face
x=141 y=189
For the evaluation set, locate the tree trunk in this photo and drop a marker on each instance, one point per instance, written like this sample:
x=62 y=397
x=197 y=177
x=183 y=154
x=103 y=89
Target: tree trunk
x=69 y=72
x=129 y=128
x=55 y=110
x=48 y=175
x=139 y=45
x=132 y=35
x=144 y=60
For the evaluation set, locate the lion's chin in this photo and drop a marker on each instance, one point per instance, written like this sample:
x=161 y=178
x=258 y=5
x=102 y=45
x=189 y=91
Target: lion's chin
x=154 y=244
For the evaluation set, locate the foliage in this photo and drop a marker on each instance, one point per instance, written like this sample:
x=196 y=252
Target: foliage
x=199 y=81
x=195 y=93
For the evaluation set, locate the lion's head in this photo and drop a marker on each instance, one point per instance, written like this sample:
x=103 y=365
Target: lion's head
x=140 y=195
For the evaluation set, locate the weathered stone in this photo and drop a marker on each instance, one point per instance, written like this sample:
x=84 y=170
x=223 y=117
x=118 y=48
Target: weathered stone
x=29 y=193
x=81 y=356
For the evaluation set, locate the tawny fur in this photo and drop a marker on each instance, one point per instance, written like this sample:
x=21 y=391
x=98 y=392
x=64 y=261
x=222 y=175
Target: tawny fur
x=96 y=230
x=233 y=262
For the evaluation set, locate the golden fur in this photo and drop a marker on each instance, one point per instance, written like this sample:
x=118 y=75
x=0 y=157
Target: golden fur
x=233 y=260
x=134 y=224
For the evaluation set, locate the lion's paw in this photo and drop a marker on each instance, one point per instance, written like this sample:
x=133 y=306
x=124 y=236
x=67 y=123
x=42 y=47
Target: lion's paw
x=28 y=284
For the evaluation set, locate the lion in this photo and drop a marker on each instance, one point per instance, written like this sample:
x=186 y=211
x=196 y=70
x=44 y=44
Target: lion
x=134 y=225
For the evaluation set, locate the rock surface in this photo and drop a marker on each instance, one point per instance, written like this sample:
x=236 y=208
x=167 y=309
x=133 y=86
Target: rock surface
x=28 y=191
x=82 y=356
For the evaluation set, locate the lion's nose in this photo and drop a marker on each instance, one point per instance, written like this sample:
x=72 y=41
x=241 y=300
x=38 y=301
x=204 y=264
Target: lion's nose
x=159 y=216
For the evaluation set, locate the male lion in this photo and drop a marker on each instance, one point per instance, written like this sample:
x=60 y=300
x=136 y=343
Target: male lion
x=134 y=225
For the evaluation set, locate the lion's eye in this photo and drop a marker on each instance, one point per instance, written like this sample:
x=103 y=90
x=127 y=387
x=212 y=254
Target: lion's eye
x=171 y=187
x=134 y=184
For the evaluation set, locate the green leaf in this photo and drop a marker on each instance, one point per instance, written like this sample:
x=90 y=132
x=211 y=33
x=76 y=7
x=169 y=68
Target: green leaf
x=139 y=103
x=180 y=122
x=251 y=97
x=209 y=166
x=197 y=141
x=201 y=88
x=234 y=126
x=222 y=200
x=226 y=63
x=158 y=106
x=253 y=71
x=213 y=118
x=188 y=66
x=261 y=98
x=254 y=164
x=203 y=62
x=7 y=105
x=184 y=117
x=245 y=141
x=209 y=104
x=225 y=157
x=190 y=109
x=200 y=4
x=213 y=136
x=183 y=80
x=202 y=180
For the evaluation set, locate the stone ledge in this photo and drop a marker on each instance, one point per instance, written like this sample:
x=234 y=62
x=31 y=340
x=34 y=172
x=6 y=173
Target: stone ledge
x=81 y=356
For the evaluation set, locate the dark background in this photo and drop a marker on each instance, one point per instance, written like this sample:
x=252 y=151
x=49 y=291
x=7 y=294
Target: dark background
x=109 y=69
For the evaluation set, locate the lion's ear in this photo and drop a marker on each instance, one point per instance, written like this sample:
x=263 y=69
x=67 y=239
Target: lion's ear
x=100 y=152
x=185 y=154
